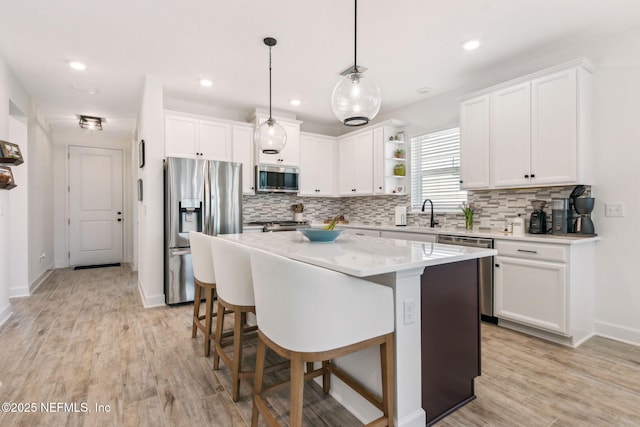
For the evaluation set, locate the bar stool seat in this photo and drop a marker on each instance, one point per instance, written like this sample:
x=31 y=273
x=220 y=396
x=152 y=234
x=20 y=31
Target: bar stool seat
x=310 y=314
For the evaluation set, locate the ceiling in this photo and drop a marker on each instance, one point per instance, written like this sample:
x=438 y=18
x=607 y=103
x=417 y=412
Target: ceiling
x=405 y=44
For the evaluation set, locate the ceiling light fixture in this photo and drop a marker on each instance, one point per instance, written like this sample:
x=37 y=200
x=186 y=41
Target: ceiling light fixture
x=295 y=102
x=206 y=83
x=77 y=65
x=270 y=136
x=91 y=123
x=355 y=100
x=471 y=45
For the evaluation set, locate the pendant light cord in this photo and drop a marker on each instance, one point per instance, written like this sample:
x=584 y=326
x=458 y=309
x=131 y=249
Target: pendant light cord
x=270 y=118
x=355 y=37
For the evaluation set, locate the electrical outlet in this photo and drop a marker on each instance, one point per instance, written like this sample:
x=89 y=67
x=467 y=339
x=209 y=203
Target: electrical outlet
x=409 y=311
x=613 y=209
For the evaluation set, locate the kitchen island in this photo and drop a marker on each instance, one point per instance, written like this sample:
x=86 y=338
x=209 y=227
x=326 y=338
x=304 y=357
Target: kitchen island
x=399 y=264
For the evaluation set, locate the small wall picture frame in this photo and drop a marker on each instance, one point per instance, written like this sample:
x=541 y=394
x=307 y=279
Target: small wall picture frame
x=6 y=178
x=139 y=190
x=10 y=153
x=141 y=153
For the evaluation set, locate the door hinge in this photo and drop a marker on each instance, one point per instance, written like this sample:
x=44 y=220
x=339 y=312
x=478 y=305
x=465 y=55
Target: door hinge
x=68 y=221
x=68 y=155
x=68 y=254
x=68 y=189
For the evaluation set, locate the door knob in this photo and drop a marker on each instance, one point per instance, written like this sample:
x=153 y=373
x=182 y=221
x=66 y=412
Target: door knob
x=119 y=219
x=119 y=213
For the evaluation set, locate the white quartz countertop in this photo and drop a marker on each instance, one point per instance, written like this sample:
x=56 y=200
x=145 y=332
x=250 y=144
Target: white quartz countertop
x=477 y=232
x=360 y=256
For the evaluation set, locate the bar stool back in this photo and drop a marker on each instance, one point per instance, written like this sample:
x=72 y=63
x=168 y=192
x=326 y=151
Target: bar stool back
x=205 y=281
x=311 y=314
x=235 y=293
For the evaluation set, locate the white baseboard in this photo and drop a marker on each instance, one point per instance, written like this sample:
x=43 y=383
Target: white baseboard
x=618 y=333
x=5 y=314
x=25 y=291
x=40 y=280
x=22 y=291
x=151 y=300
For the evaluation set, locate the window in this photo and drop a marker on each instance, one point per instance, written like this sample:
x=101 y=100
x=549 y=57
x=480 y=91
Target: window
x=435 y=170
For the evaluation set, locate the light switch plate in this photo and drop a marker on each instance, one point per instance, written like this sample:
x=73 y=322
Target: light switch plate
x=613 y=209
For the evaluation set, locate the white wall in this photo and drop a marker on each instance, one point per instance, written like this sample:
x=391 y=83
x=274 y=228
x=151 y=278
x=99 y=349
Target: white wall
x=85 y=138
x=150 y=210
x=13 y=102
x=616 y=138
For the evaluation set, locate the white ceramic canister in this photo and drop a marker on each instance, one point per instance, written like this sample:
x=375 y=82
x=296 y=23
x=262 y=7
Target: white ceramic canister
x=518 y=226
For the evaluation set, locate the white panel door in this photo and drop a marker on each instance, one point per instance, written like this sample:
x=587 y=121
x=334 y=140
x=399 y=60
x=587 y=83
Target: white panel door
x=474 y=143
x=215 y=140
x=511 y=136
x=95 y=206
x=554 y=129
x=531 y=292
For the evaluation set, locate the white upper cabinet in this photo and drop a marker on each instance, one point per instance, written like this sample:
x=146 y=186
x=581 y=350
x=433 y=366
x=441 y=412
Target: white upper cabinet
x=356 y=164
x=290 y=154
x=193 y=137
x=317 y=160
x=510 y=132
x=554 y=130
x=243 y=153
x=474 y=152
x=539 y=130
x=215 y=140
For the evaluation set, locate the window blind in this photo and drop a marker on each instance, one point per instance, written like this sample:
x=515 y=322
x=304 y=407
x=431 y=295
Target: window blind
x=435 y=170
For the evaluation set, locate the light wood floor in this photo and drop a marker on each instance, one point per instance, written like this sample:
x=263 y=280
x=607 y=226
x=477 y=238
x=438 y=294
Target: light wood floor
x=84 y=337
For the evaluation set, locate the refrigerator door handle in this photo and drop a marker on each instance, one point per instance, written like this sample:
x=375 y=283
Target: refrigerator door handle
x=206 y=199
x=179 y=252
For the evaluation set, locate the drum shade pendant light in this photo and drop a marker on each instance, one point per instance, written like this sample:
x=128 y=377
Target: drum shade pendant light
x=355 y=99
x=270 y=136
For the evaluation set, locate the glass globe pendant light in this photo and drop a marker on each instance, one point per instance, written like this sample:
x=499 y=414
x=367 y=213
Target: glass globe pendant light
x=355 y=99
x=270 y=136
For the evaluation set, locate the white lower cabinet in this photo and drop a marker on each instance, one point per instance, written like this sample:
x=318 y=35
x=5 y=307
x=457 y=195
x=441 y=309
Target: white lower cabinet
x=546 y=289
x=532 y=292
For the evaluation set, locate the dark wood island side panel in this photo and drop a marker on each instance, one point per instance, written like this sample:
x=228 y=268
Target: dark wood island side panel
x=450 y=318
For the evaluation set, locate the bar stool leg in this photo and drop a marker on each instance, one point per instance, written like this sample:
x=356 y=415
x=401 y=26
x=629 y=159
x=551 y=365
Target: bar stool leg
x=218 y=337
x=208 y=292
x=237 y=353
x=196 y=310
x=387 y=362
x=326 y=377
x=297 y=387
x=257 y=381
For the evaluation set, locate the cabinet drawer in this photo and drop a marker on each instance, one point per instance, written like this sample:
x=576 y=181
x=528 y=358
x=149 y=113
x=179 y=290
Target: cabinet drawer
x=528 y=250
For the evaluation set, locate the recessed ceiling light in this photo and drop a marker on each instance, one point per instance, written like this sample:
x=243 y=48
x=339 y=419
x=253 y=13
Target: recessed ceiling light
x=471 y=45
x=423 y=90
x=206 y=83
x=77 y=65
x=295 y=102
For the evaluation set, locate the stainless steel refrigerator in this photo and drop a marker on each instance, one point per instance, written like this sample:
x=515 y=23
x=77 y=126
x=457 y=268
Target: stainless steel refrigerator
x=199 y=195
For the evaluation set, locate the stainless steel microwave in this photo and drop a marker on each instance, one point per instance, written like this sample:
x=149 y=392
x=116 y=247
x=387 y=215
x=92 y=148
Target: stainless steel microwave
x=277 y=179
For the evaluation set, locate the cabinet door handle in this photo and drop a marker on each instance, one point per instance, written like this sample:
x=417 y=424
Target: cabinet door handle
x=533 y=175
x=461 y=181
x=498 y=265
x=526 y=176
x=527 y=251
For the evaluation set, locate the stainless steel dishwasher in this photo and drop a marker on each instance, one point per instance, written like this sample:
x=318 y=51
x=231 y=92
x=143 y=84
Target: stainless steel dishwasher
x=485 y=271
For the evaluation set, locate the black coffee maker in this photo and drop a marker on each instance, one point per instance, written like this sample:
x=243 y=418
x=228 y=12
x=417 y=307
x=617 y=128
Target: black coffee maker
x=538 y=219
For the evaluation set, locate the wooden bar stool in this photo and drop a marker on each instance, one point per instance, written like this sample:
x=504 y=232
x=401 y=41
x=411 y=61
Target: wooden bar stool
x=205 y=281
x=311 y=314
x=235 y=295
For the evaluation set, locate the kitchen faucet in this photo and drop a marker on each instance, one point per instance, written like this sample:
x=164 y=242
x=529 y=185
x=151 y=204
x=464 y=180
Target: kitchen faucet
x=432 y=223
